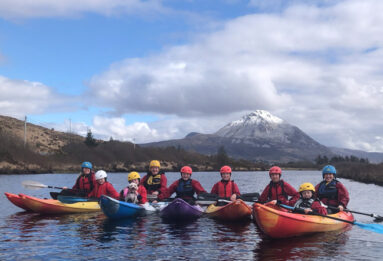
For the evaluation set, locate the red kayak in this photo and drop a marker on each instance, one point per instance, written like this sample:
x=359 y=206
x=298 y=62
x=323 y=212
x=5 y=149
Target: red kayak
x=17 y=201
x=235 y=210
x=277 y=222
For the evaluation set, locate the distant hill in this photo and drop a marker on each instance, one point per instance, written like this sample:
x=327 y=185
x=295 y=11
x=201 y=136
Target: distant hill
x=373 y=157
x=258 y=136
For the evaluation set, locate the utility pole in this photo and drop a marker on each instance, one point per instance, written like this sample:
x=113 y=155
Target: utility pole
x=25 y=131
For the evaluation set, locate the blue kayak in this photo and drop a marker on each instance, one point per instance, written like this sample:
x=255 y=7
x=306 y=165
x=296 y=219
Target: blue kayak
x=116 y=209
x=74 y=199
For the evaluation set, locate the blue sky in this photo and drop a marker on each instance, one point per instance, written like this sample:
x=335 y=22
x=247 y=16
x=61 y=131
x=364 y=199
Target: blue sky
x=154 y=70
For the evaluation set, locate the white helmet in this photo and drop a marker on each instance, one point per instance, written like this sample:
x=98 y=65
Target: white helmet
x=100 y=174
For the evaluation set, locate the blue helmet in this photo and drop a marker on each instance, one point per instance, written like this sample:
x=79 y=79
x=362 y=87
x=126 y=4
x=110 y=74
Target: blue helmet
x=329 y=169
x=86 y=164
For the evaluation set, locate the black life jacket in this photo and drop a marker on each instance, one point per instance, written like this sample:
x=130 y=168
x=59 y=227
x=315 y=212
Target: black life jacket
x=272 y=184
x=304 y=203
x=185 y=189
x=328 y=191
x=153 y=183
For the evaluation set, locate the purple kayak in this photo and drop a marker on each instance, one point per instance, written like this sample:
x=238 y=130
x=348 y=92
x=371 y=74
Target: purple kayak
x=178 y=209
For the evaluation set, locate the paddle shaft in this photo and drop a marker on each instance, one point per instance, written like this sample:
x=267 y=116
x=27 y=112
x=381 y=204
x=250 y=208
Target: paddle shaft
x=357 y=212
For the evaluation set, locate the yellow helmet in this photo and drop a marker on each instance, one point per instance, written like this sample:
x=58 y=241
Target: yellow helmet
x=155 y=163
x=133 y=175
x=306 y=186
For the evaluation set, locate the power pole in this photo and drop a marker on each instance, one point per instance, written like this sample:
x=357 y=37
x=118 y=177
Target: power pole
x=25 y=131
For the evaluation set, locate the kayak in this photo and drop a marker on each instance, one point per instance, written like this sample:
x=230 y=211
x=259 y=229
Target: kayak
x=52 y=206
x=277 y=222
x=116 y=209
x=235 y=210
x=74 y=199
x=179 y=210
x=17 y=201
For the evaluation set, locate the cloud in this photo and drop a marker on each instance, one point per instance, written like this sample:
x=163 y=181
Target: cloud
x=20 y=9
x=316 y=66
x=19 y=98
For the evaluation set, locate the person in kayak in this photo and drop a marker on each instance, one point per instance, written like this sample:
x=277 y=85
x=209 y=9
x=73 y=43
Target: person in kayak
x=278 y=190
x=226 y=188
x=140 y=193
x=154 y=181
x=85 y=182
x=308 y=203
x=103 y=187
x=332 y=192
x=185 y=187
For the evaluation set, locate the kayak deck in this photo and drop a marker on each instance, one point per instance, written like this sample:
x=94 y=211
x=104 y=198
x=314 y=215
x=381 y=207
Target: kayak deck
x=235 y=210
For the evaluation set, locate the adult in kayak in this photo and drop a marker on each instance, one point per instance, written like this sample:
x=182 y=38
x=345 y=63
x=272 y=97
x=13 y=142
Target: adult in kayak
x=155 y=181
x=332 y=192
x=308 y=203
x=226 y=188
x=278 y=190
x=185 y=187
x=138 y=191
x=85 y=182
x=103 y=187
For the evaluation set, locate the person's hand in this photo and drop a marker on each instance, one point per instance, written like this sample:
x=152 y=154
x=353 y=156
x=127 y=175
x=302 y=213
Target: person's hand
x=155 y=193
x=307 y=210
x=341 y=208
x=273 y=202
x=233 y=197
x=154 y=201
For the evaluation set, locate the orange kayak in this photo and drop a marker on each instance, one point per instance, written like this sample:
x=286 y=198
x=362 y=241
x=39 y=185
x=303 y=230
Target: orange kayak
x=17 y=201
x=233 y=211
x=52 y=206
x=277 y=222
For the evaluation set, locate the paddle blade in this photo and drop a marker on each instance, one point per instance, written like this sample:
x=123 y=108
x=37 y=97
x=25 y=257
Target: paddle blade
x=372 y=227
x=33 y=184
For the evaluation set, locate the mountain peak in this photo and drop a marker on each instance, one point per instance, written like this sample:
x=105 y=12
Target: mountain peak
x=257 y=117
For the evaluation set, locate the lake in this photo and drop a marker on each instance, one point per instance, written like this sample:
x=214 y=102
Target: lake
x=27 y=236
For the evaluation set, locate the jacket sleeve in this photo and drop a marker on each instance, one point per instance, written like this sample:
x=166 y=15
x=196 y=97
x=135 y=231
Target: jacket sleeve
x=214 y=189
x=164 y=181
x=317 y=207
x=142 y=181
x=198 y=187
x=92 y=194
x=343 y=196
x=112 y=192
x=292 y=193
x=142 y=192
x=293 y=201
x=316 y=190
x=265 y=193
x=236 y=189
x=169 y=191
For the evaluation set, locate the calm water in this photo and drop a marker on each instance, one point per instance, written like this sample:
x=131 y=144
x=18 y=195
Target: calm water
x=93 y=237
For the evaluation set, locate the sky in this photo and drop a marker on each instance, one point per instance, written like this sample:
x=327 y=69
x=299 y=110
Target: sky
x=152 y=70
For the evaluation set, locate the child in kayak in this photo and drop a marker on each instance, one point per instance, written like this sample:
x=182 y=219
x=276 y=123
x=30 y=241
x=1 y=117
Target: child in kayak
x=308 y=203
x=278 y=190
x=155 y=181
x=185 y=187
x=332 y=192
x=103 y=187
x=226 y=188
x=134 y=192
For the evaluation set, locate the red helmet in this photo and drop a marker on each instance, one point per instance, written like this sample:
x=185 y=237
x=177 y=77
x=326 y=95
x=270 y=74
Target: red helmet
x=275 y=170
x=225 y=169
x=186 y=169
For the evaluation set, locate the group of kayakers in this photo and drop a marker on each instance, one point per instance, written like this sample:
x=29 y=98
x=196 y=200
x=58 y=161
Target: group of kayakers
x=329 y=196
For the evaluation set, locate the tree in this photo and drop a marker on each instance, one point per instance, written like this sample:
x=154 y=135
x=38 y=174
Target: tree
x=222 y=158
x=89 y=140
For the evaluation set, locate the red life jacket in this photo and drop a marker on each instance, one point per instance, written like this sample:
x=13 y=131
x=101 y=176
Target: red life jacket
x=85 y=183
x=225 y=189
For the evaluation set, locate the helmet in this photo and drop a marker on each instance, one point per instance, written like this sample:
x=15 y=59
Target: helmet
x=225 y=169
x=329 y=169
x=86 y=164
x=186 y=169
x=133 y=175
x=306 y=186
x=100 y=174
x=276 y=170
x=155 y=163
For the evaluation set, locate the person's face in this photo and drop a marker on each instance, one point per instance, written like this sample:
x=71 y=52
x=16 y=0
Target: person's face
x=307 y=194
x=185 y=176
x=101 y=181
x=328 y=177
x=225 y=176
x=86 y=171
x=135 y=181
x=275 y=177
x=154 y=170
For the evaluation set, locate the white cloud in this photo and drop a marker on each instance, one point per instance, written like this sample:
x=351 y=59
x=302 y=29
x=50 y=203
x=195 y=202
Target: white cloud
x=21 y=9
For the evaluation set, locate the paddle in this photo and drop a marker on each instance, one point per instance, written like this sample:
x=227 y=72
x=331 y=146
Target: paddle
x=371 y=227
x=377 y=217
x=37 y=185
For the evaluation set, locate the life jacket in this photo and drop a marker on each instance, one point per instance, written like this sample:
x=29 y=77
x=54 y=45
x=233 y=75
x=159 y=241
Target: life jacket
x=272 y=185
x=153 y=183
x=328 y=191
x=222 y=191
x=185 y=189
x=304 y=203
x=85 y=183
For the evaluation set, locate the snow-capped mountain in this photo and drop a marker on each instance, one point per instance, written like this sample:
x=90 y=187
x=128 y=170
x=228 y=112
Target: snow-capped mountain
x=258 y=135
